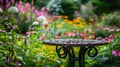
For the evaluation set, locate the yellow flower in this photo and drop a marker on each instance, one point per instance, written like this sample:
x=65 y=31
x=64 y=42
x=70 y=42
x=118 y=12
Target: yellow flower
x=70 y=22
x=65 y=17
x=65 y=20
x=81 y=26
x=91 y=19
x=35 y=50
x=59 y=25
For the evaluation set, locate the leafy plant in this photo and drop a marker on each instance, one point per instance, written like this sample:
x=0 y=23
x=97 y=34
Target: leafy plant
x=112 y=20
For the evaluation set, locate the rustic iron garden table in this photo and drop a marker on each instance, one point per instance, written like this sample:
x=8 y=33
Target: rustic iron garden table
x=64 y=48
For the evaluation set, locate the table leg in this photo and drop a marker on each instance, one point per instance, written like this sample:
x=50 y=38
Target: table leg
x=82 y=52
x=71 y=56
x=69 y=51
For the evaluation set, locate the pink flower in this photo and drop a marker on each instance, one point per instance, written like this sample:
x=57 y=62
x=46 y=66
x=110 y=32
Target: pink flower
x=106 y=28
x=31 y=32
x=112 y=36
x=83 y=7
x=20 y=2
x=37 y=13
x=22 y=10
x=33 y=8
x=6 y=1
x=76 y=32
x=43 y=9
x=27 y=6
x=116 y=53
x=7 y=5
x=83 y=34
x=12 y=1
x=106 y=39
x=41 y=37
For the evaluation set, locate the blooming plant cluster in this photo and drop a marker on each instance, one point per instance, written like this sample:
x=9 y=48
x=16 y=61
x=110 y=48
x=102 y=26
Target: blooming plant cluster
x=23 y=27
x=17 y=22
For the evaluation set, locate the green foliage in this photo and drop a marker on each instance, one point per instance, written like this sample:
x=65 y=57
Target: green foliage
x=63 y=7
x=87 y=11
x=112 y=20
x=55 y=6
x=116 y=43
x=69 y=6
x=102 y=33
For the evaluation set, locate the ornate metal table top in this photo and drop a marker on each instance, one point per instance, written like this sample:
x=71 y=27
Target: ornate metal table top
x=74 y=42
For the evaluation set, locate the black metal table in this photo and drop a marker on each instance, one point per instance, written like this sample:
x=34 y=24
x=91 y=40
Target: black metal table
x=66 y=45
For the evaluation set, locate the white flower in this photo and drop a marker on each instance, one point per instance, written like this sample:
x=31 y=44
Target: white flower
x=13 y=10
x=42 y=20
x=45 y=22
x=1 y=10
x=35 y=23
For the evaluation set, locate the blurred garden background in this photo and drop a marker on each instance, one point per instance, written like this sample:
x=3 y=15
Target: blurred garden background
x=24 y=24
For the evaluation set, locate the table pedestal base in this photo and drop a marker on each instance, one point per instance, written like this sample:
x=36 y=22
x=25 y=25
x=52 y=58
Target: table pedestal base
x=69 y=51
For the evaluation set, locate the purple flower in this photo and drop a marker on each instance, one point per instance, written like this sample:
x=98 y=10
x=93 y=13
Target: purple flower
x=3 y=31
x=6 y=18
x=83 y=7
x=0 y=43
x=1 y=1
x=17 y=63
x=9 y=43
x=9 y=60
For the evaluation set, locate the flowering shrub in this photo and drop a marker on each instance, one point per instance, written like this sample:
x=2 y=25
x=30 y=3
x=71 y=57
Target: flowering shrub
x=23 y=27
x=16 y=27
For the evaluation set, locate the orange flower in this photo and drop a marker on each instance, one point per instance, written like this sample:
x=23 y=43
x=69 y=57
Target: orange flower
x=91 y=36
x=60 y=16
x=58 y=36
x=93 y=32
x=65 y=17
x=70 y=22
x=76 y=20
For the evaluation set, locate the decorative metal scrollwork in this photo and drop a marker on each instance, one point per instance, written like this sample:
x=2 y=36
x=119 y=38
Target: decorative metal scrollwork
x=63 y=51
x=89 y=49
x=59 y=49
